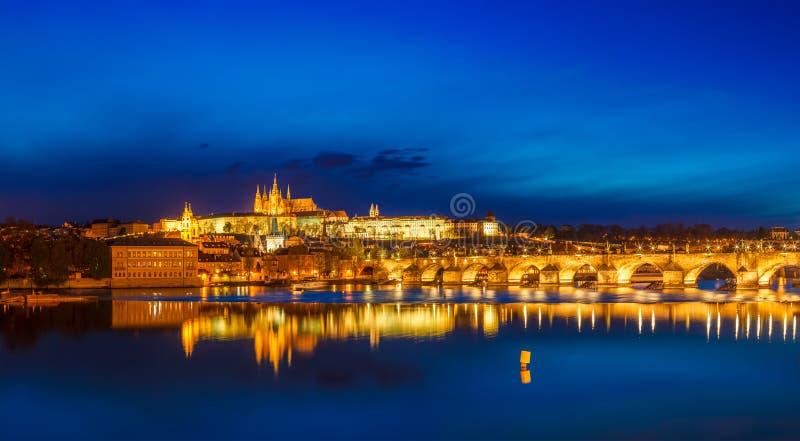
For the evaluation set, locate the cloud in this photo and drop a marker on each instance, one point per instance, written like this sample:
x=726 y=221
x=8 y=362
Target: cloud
x=328 y=160
x=399 y=161
x=295 y=164
x=234 y=168
x=405 y=161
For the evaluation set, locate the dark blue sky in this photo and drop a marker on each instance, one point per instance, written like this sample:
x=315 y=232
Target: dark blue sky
x=613 y=112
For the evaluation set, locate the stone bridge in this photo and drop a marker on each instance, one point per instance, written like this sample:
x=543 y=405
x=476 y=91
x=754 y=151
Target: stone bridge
x=752 y=270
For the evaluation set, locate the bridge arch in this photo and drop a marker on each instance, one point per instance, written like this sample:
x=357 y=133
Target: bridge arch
x=432 y=272
x=568 y=273
x=626 y=272
x=691 y=276
x=472 y=272
x=367 y=272
x=585 y=273
x=765 y=279
x=412 y=274
x=521 y=270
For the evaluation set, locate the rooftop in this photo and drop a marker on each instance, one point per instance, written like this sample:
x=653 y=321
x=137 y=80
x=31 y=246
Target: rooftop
x=149 y=241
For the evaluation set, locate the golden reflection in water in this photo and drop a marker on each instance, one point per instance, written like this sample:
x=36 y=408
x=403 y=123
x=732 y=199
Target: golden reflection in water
x=748 y=325
x=525 y=376
x=281 y=331
x=640 y=320
x=770 y=327
x=525 y=315
x=758 y=328
x=652 y=321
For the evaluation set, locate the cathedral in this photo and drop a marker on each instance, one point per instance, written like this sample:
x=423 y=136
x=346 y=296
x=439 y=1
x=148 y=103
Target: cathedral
x=272 y=215
x=274 y=204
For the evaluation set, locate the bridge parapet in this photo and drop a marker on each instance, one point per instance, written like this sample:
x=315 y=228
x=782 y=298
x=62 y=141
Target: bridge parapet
x=678 y=270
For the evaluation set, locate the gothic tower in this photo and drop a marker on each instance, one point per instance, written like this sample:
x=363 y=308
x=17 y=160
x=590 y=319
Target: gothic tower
x=275 y=198
x=257 y=204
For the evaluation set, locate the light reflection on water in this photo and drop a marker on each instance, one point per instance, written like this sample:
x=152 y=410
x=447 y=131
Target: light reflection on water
x=350 y=293
x=278 y=331
x=136 y=365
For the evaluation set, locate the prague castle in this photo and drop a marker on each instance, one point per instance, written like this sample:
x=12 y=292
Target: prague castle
x=272 y=215
x=275 y=216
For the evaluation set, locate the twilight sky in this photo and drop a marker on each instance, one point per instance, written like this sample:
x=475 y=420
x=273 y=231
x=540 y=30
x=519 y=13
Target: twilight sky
x=560 y=111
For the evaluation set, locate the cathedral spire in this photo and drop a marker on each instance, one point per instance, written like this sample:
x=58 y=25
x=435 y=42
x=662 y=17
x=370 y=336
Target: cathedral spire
x=275 y=183
x=288 y=192
x=258 y=191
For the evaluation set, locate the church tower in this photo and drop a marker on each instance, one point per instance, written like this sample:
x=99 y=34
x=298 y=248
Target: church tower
x=188 y=230
x=257 y=204
x=275 y=198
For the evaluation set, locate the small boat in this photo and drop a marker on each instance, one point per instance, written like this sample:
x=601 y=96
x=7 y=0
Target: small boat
x=310 y=285
x=296 y=290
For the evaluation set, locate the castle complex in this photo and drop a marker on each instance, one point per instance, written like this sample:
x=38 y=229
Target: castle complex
x=275 y=216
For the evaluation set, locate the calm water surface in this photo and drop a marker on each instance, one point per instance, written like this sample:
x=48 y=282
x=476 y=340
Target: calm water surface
x=355 y=362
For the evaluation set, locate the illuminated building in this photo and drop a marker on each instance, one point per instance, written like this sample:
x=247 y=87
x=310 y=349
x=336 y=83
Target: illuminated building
x=779 y=233
x=274 y=204
x=273 y=216
x=216 y=262
x=378 y=227
x=276 y=216
x=112 y=227
x=149 y=261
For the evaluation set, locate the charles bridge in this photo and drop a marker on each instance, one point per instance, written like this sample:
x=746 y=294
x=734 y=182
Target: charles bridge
x=751 y=269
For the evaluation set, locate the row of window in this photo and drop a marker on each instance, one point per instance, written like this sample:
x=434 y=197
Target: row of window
x=164 y=254
x=154 y=264
x=150 y=275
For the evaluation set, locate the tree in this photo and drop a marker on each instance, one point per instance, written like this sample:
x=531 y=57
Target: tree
x=5 y=262
x=97 y=259
x=49 y=262
x=549 y=232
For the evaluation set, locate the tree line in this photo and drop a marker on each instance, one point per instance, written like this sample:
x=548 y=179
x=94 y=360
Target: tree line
x=48 y=257
x=669 y=231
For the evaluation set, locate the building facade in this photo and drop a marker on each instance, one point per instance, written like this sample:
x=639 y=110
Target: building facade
x=150 y=261
x=378 y=227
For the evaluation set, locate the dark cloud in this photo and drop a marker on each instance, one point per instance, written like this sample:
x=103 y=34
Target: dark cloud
x=328 y=160
x=399 y=161
x=295 y=164
x=234 y=168
x=406 y=161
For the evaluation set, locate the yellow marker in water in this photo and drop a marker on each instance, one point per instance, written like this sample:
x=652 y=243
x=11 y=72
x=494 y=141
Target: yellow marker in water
x=524 y=359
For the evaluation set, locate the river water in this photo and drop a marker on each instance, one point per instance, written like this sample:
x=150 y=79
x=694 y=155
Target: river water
x=399 y=363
